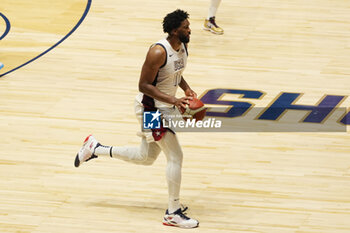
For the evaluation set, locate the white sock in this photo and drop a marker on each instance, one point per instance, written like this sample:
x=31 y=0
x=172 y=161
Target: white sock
x=145 y=154
x=214 y=5
x=173 y=205
x=120 y=152
x=103 y=150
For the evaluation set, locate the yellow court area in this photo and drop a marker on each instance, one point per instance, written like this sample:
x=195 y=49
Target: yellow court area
x=35 y=26
x=264 y=180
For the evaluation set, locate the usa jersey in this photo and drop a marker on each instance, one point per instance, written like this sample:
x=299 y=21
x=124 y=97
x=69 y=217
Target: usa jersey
x=169 y=75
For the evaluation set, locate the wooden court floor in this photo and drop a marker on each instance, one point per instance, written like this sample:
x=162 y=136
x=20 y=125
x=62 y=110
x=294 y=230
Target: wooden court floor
x=84 y=80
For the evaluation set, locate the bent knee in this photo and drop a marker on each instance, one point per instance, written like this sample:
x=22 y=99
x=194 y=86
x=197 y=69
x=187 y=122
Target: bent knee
x=148 y=162
x=176 y=157
x=147 y=159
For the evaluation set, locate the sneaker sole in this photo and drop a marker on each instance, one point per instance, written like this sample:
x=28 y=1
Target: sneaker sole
x=172 y=225
x=212 y=31
x=76 y=161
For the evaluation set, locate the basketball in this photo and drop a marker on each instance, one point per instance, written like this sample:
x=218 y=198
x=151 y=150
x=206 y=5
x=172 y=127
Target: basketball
x=194 y=110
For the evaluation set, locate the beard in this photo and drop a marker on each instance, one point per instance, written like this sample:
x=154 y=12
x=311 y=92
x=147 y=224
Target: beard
x=184 y=39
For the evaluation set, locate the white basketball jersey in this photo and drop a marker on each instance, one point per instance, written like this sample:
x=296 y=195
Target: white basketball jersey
x=170 y=73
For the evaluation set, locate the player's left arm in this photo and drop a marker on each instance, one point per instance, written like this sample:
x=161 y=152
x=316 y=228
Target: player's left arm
x=184 y=86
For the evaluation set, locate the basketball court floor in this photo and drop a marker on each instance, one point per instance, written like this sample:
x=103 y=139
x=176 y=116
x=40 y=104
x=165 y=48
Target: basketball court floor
x=71 y=68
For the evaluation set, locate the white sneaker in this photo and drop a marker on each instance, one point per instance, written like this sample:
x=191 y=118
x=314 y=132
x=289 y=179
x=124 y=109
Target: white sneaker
x=86 y=152
x=179 y=219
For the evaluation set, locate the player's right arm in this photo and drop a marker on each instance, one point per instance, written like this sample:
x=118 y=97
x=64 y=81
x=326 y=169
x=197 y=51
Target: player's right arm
x=155 y=58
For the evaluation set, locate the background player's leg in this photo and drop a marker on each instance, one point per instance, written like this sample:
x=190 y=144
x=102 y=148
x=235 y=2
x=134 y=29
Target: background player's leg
x=172 y=150
x=146 y=154
x=214 y=5
x=209 y=22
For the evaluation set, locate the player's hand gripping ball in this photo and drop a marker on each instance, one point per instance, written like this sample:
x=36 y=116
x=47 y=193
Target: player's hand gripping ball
x=194 y=110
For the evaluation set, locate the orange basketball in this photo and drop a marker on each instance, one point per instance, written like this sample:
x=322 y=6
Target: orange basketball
x=194 y=110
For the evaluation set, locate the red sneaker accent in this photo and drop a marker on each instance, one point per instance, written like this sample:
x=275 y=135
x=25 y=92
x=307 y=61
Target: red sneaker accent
x=87 y=138
x=166 y=224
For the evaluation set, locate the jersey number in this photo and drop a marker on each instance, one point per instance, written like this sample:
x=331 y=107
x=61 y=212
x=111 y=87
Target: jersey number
x=177 y=78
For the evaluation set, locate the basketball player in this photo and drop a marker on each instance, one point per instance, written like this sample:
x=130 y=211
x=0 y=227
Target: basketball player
x=209 y=22
x=161 y=74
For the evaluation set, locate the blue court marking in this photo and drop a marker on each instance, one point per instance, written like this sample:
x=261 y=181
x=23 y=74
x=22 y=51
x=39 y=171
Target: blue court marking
x=88 y=5
x=8 y=26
